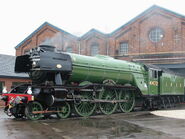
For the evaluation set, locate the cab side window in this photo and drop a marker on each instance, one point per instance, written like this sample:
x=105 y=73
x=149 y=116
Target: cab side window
x=153 y=74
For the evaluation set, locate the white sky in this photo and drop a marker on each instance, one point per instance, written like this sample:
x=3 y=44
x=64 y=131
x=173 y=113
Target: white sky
x=19 y=18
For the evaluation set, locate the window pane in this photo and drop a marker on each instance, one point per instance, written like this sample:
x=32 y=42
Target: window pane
x=123 y=48
x=94 y=50
x=156 y=34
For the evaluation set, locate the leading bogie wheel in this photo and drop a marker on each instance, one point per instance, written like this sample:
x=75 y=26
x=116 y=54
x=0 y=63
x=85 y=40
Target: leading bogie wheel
x=129 y=97
x=64 y=110
x=33 y=110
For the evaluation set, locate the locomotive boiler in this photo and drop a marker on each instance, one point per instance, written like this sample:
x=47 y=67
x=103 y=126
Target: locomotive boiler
x=45 y=64
x=66 y=83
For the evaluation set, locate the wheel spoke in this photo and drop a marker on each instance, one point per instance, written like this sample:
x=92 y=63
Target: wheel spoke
x=64 y=111
x=106 y=107
x=85 y=109
x=130 y=98
x=33 y=107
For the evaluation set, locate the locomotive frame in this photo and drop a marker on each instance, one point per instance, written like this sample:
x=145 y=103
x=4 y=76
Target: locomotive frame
x=83 y=99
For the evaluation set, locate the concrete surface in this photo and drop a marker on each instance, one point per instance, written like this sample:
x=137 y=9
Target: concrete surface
x=134 y=125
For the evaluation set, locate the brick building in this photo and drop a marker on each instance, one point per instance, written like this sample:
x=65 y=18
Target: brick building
x=8 y=77
x=155 y=36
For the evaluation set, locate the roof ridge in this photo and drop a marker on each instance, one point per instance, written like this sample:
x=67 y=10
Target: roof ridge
x=40 y=27
x=93 y=30
x=96 y=30
x=143 y=13
x=57 y=28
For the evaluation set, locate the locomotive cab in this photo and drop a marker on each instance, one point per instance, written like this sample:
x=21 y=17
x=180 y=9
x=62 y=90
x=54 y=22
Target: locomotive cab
x=154 y=81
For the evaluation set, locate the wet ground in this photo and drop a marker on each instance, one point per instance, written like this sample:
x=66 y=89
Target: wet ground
x=135 y=125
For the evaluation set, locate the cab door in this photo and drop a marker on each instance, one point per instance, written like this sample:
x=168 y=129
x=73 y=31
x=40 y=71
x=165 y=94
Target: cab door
x=153 y=82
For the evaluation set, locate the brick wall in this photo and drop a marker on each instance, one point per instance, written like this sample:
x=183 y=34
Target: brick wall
x=136 y=33
x=61 y=40
x=91 y=38
x=8 y=81
x=137 y=36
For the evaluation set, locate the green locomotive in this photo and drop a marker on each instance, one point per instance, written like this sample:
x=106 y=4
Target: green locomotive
x=64 y=83
x=148 y=79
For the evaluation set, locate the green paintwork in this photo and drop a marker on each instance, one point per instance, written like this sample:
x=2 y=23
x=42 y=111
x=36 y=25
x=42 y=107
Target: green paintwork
x=165 y=83
x=153 y=84
x=141 y=81
x=100 y=68
x=171 y=84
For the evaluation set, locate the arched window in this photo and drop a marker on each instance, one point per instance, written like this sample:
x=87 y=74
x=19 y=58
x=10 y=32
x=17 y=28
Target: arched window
x=69 y=49
x=156 y=34
x=94 y=49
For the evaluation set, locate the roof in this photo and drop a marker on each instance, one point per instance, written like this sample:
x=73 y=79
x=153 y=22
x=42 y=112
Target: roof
x=7 y=67
x=146 y=12
x=150 y=66
x=94 y=30
x=167 y=68
x=172 y=66
x=39 y=28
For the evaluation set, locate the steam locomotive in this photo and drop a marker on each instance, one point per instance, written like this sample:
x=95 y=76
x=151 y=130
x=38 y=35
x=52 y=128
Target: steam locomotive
x=66 y=83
